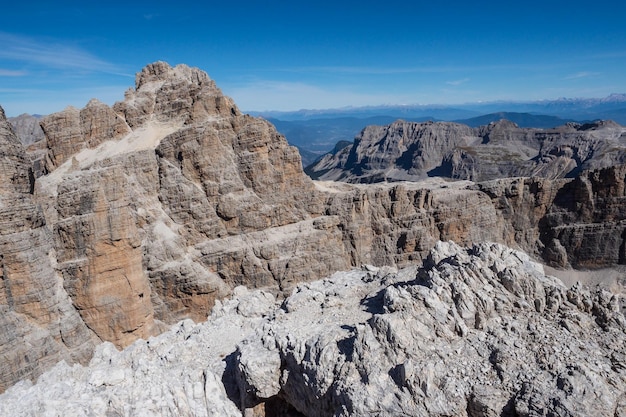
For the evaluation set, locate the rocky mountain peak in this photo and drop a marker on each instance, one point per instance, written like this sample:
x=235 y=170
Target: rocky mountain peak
x=94 y=102
x=503 y=124
x=138 y=198
x=162 y=72
x=599 y=124
x=412 y=151
x=163 y=94
x=166 y=93
x=27 y=128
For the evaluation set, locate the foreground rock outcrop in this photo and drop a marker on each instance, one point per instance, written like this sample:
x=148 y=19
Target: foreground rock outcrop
x=412 y=151
x=473 y=332
x=129 y=218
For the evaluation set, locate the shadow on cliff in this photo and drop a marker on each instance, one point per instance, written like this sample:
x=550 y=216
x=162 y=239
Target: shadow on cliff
x=275 y=406
x=229 y=379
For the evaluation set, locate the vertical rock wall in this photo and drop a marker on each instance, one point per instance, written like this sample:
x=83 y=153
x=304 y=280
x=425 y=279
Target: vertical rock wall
x=39 y=325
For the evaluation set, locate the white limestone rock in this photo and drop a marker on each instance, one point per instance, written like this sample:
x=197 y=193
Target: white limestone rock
x=478 y=331
x=179 y=373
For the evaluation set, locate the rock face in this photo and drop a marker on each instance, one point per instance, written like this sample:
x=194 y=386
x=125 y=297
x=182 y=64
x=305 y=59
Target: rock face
x=27 y=128
x=144 y=213
x=169 y=199
x=72 y=130
x=413 y=151
x=394 y=223
x=478 y=331
x=588 y=218
x=576 y=222
x=38 y=323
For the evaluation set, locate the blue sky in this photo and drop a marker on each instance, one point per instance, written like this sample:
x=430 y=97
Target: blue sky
x=288 y=55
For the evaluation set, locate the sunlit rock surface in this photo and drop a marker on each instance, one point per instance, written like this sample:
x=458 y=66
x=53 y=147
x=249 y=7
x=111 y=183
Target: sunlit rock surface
x=130 y=218
x=478 y=331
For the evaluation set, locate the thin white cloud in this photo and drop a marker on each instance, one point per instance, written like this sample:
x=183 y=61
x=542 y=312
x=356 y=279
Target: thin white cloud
x=607 y=55
x=12 y=73
x=355 y=70
x=51 y=54
x=426 y=69
x=457 y=82
x=275 y=95
x=581 y=74
x=263 y=95
x=5 y=90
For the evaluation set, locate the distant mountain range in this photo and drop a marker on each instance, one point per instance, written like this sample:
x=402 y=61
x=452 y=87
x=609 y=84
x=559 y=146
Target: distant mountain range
x=567 y=108
x=316 y=132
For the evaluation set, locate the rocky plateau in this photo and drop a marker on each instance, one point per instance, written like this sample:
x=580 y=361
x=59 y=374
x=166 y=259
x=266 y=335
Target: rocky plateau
x=126 y=219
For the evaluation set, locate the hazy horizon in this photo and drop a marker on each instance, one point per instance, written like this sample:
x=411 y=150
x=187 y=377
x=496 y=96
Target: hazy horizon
x=322 y=55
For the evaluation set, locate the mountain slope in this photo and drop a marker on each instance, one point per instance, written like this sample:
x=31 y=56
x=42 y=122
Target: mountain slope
x=39 y=323
x=27 y=128
x=413 y=151
x=520 y=119
x=317 y=136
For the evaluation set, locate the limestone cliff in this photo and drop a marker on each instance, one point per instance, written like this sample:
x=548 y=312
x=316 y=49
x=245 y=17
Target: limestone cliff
x=39 y=326
x=413 y=151
x=578 y=222
x=169 y=199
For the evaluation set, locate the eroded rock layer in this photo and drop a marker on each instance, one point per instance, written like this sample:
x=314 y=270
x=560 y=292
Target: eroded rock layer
x=478 y=331
x=39 y=326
